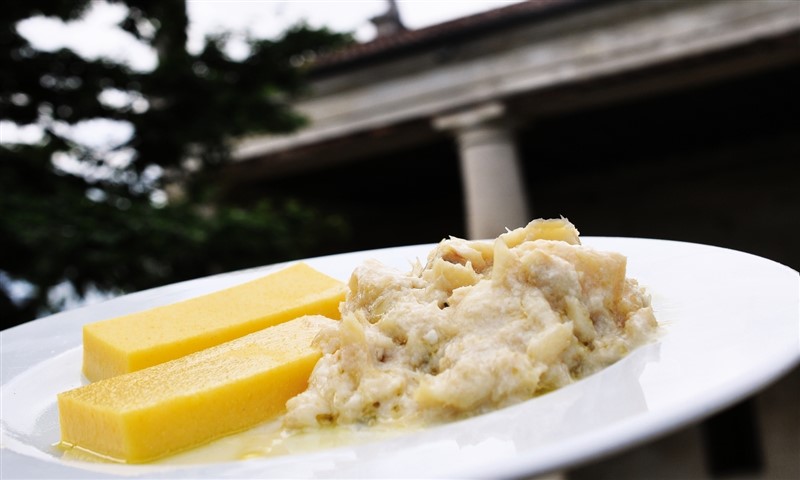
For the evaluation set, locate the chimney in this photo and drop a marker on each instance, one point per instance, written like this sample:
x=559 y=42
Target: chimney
x=389 y=23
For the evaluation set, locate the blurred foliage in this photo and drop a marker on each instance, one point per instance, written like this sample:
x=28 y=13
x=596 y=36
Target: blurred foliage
x=96 y=226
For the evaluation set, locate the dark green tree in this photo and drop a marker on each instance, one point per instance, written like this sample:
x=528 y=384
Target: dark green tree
x=97 y=226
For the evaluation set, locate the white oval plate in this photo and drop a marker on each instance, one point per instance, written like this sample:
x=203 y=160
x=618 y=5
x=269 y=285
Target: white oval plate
x=730 y=325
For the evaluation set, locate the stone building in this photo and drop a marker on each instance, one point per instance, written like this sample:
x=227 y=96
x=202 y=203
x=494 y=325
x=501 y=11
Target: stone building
x=482 y=84
x=665 y=119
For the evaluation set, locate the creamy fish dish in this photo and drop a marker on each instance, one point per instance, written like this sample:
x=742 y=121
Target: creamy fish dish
x=479 y=326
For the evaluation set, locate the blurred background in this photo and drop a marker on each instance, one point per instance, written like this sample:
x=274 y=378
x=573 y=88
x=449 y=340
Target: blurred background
x=147 y=142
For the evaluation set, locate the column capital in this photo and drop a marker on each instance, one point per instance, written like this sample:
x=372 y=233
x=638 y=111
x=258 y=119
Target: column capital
x=470 y=117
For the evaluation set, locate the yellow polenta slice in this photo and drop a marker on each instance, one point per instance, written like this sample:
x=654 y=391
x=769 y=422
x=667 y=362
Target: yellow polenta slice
x=132 y=342
x=185 y=402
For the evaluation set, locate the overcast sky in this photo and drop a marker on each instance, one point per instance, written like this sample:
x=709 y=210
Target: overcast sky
x=98 y=36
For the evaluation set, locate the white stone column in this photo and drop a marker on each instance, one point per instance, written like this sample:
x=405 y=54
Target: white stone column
x=494 y=189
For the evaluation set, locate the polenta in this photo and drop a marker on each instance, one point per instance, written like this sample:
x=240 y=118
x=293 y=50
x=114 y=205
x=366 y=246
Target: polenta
x=150 y=413
x=139 y=340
